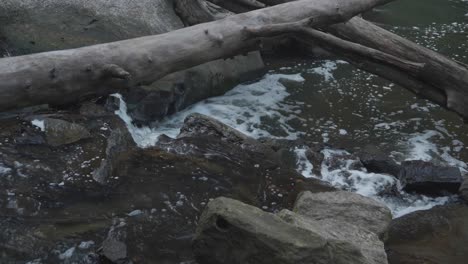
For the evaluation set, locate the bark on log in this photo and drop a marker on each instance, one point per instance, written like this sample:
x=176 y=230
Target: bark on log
x=66 y=76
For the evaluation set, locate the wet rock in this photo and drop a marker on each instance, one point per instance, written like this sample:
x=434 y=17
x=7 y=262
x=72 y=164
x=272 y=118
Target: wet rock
x=178 y=177
x=363 y=241
x=36 y=176
x=286 y=150
x=114 y=247
x=59 y=132
x=346 y=207
x=436 y=236
x=168 y=185
x=198 y=125
x=148 y=106
x=232 y=232
x=428 y=178
x=344 y=160
x=118 y=142
x=378 y=162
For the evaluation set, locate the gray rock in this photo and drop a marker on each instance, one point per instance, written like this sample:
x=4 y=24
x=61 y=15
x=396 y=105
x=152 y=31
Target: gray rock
x=59 y=132
x=118 y=142
x=232 y=232
x=378 y=162
x=345 y=207
x=435 y=236
x=31 y=26
x=114 y=247
x=196 y=125
x=366 y=242
x=428 y=178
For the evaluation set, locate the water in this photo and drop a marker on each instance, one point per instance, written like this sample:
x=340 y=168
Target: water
x=334 y=103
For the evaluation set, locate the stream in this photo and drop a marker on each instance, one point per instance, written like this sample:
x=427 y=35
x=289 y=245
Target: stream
x=332 y=102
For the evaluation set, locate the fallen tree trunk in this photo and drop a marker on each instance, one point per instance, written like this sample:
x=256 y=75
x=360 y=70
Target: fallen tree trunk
x=62 y=77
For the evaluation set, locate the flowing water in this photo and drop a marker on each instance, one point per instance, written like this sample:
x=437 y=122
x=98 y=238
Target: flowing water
x=335 y=103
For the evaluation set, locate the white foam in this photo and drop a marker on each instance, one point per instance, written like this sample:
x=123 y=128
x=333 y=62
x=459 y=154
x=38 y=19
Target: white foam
x=304 y=166
x=422 y=148
x=371 y=185
x=4 y=170
x=38 y=123
x=86 y=244
x=359 y=181
x=135 y=213
x=246 y=107
x=67 y=254
x=327 y=68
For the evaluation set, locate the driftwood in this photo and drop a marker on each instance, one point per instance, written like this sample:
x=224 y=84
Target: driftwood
x=62 y=77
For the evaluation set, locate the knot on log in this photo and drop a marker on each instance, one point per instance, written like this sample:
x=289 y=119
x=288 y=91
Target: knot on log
x=217 y=39
x=115 y=71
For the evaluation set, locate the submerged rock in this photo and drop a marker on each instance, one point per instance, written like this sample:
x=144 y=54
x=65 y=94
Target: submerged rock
x=428 y=178
x=232 y=232
x=436 y=236
x=346 y=207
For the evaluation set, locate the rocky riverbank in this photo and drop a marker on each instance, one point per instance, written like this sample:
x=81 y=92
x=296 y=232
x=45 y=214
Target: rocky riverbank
x=91 y=195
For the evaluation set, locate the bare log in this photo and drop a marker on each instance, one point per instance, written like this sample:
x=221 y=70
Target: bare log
x=61 y=77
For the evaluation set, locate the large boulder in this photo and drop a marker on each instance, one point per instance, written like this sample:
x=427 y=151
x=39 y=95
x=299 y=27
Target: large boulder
x=435 y=236
x=30 y=26
x=428 y=178
x=232 y=232
x=347 y=207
